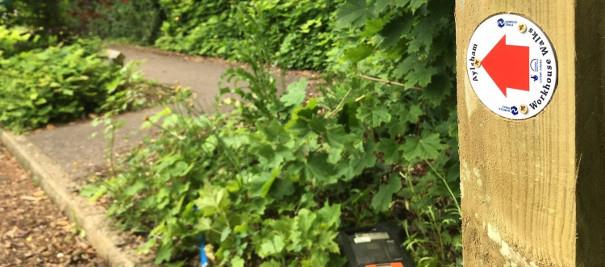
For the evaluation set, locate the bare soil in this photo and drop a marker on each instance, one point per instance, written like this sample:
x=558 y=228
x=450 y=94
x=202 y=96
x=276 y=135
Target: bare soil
x=33 y=231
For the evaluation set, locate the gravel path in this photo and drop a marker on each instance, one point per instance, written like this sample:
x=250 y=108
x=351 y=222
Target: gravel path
x=33 y=231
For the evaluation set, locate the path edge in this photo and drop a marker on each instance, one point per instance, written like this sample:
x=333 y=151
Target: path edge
x=53 y=180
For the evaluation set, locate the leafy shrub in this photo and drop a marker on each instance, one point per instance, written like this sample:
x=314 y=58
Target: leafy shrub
x=135 y=21
x=205 y=27
x=60 y=84
x=221 y=179
x=47 y=17
x=302 y=32
x=11 y=38
x=408 y=46
x=271 y=182
x=18 y=39
x=299 y=31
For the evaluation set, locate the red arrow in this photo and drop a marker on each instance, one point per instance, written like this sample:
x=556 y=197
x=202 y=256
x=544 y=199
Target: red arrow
x=508 y=65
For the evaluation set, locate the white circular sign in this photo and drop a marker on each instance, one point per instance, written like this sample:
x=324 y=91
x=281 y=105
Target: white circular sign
x=512 y=66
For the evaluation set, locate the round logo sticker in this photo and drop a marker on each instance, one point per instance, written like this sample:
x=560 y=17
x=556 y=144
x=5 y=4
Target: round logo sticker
x=512 y=66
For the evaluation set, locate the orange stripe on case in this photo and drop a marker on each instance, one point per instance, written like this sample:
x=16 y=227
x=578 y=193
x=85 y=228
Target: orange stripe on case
x=394 y=264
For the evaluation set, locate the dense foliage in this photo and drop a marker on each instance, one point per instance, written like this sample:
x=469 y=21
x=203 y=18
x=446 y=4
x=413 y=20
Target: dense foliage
x=271 y=182
x=211 y=28
x=60 y=84
x=201 y=27
x=133 y=21
x=14 y=40
x=408 y=46
x=46 y=17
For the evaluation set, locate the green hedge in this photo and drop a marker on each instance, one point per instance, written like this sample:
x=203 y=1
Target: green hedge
x=299 y=31
x=204 y=27
x=135 y=21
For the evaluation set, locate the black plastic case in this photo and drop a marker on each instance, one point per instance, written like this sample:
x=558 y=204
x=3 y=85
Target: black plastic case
x=381 y=244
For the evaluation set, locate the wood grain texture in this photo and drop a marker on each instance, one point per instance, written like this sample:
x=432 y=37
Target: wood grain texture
x=590 y=128
x=531 y=187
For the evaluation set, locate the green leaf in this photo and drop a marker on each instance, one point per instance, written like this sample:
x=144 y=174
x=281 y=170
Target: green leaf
x=163 y=254
x=381 y=201
x=295 y=93
x=204 y=224
x=237 y=262
x=305 y=220
x=135 y=188
x=225 y=234
x=272 y=246
x=389 y=149
x=373 y=26
x=413 y=114
x=427 y=147
x=381 y=5
x=114 y=84
x=417 y=4
x=93 y=192
x=380 y=115
x=212 y=200
x=284 y=187
x=269 y=183
x=393 y=31
x=320 y=170
x=147 y=246
x=352 y=13
x=330 y=215
x=358 y=53
x=271 y=263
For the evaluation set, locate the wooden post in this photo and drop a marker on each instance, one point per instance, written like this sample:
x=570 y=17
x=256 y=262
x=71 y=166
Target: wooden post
x=533 y=191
